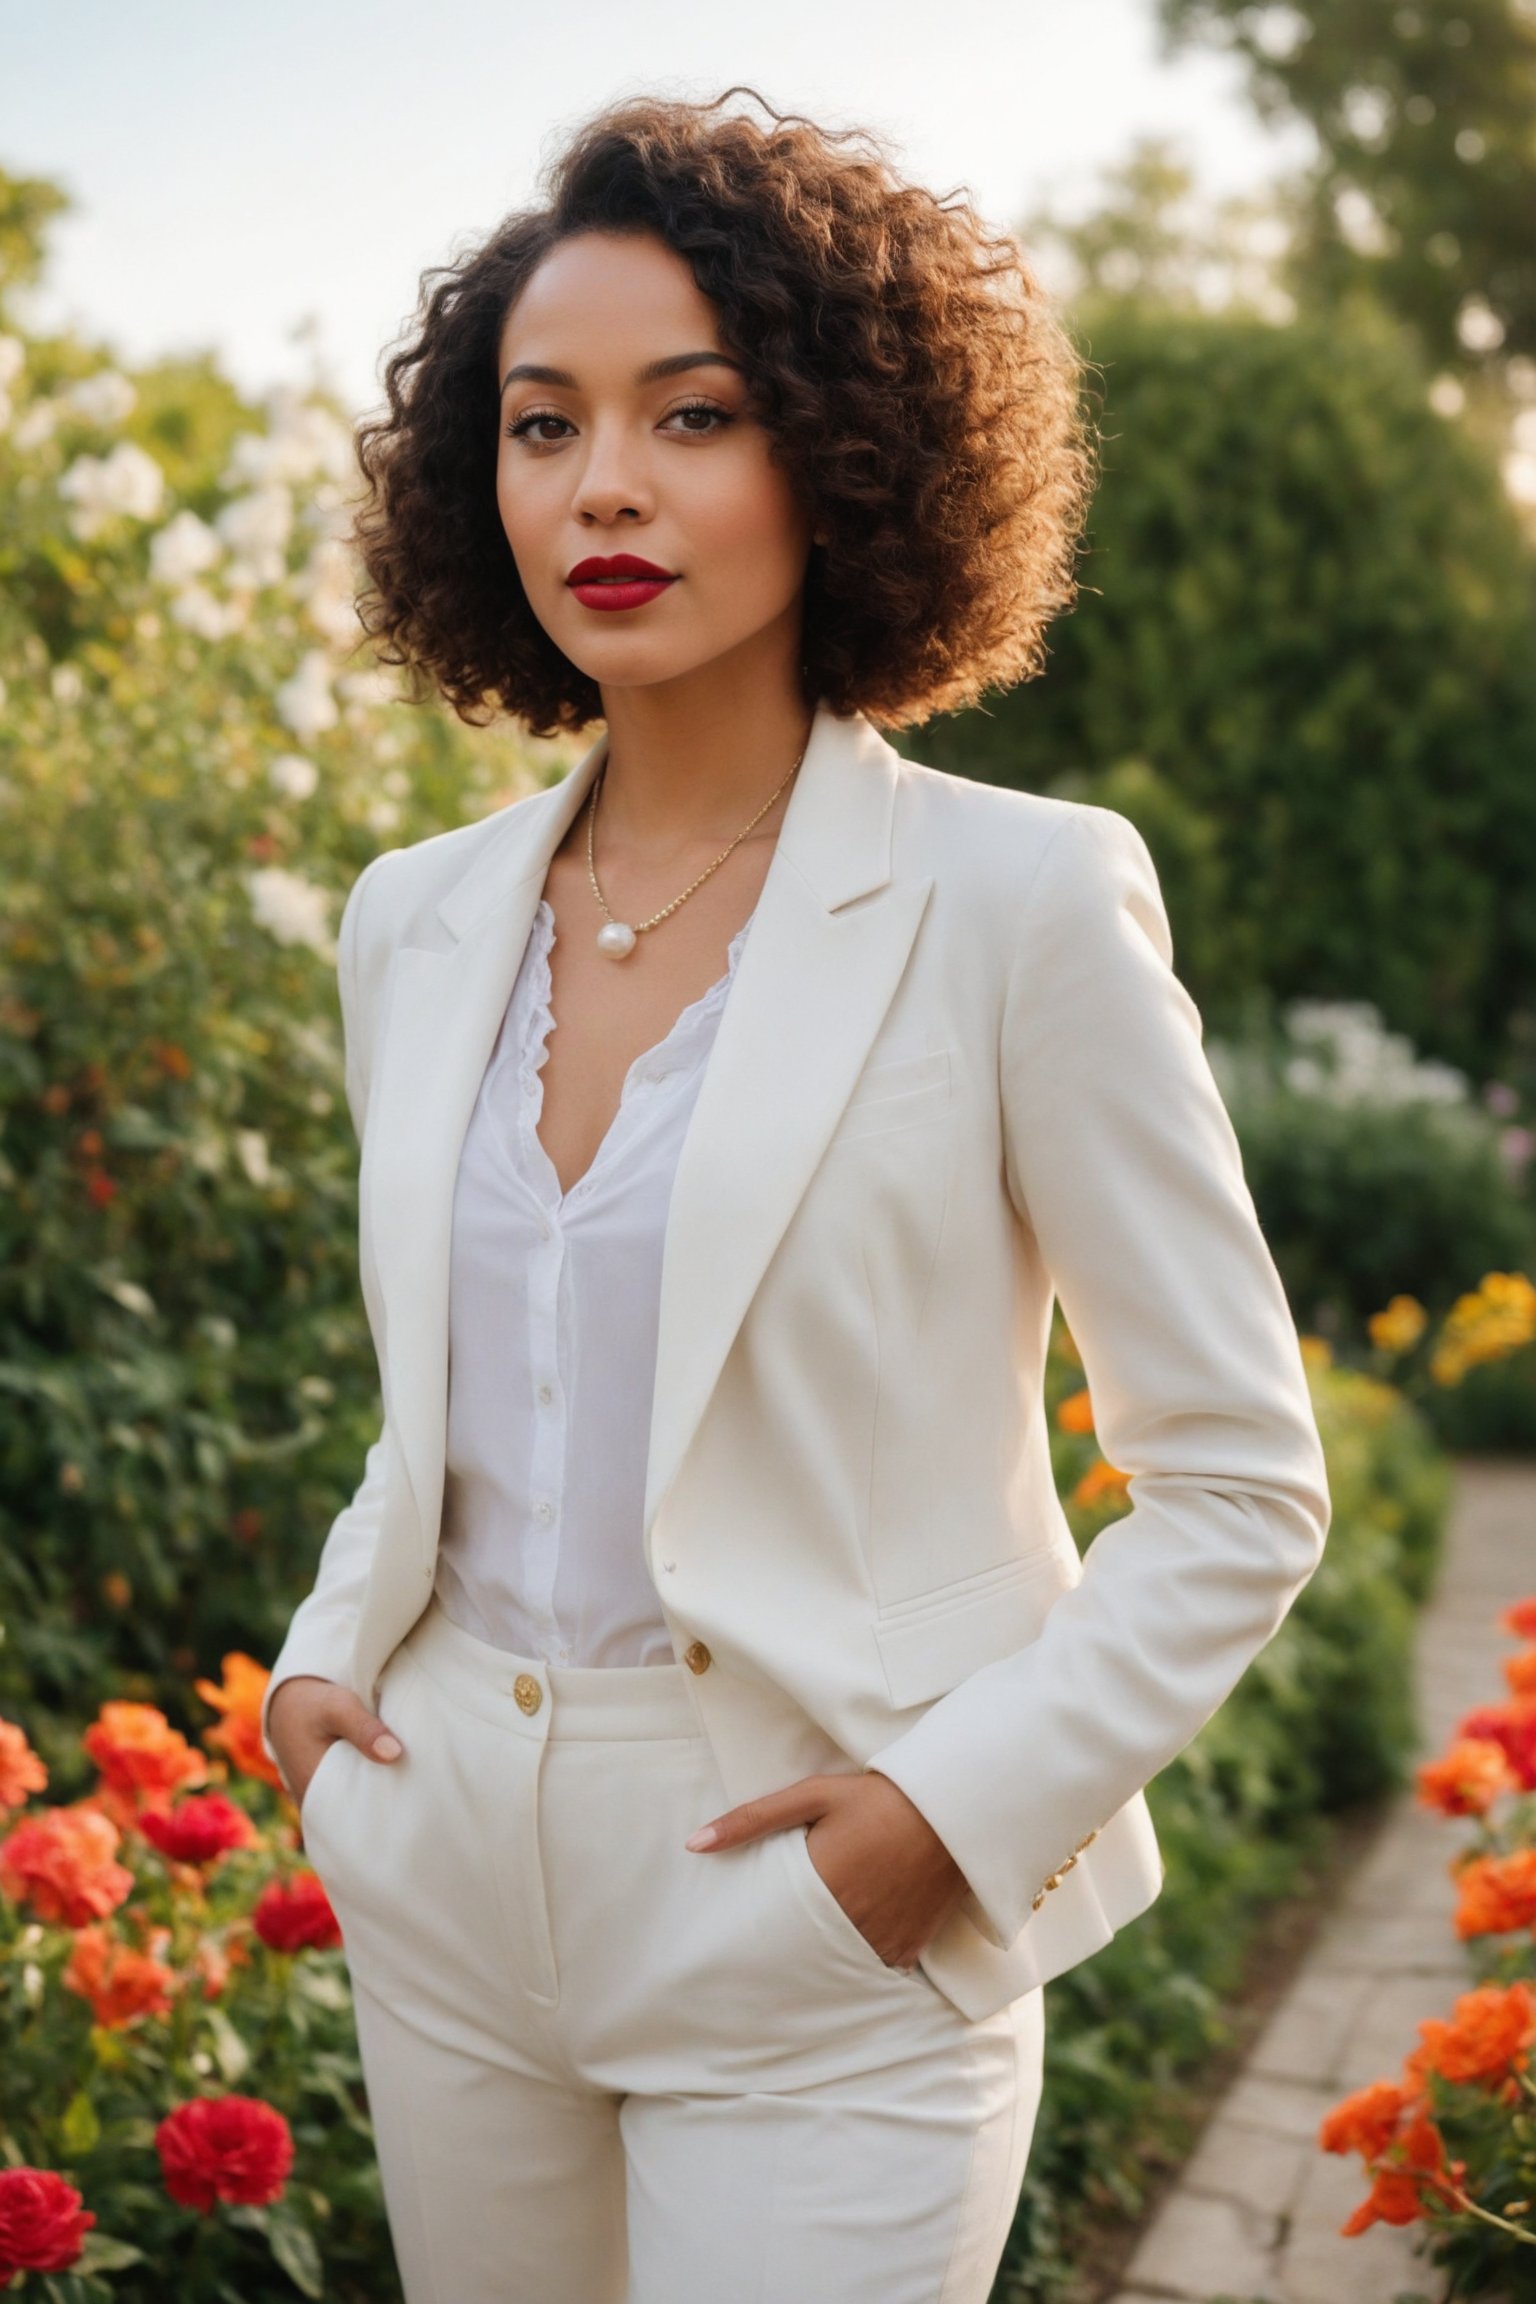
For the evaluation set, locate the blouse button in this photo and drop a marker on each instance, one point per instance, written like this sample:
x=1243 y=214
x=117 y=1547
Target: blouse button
x=697 y=1657
x=544 y=1512
x=545 y=1394
x=528 y=1693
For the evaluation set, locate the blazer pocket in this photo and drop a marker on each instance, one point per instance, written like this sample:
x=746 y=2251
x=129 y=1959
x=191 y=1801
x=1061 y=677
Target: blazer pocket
x=895 y=1095
x=929 y=1645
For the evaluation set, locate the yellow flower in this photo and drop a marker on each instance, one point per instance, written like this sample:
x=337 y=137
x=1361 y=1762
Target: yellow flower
x=1316 y=1354
x=1400 y=1326
x=1489 y=1323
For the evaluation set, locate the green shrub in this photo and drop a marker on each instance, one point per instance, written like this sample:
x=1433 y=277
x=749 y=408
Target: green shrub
x=1308 y=605
x=191 y=775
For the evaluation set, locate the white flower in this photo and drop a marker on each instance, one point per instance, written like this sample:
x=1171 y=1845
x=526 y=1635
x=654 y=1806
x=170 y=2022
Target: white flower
x=251 y=1152
x=327 y=586
x=291 y=909
x=293 y=775
x=13 y=358
x=305 y=703
x=198 y=611
x=256 y=527
x=66 y=684
x=303 y=439
x=37 y=426
x=105 y=398
x=182 y=549
x=374 y=686
x=102 y=488
x=382 y=815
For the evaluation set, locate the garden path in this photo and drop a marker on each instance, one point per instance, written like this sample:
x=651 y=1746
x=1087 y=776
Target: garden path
x=1256 y=2212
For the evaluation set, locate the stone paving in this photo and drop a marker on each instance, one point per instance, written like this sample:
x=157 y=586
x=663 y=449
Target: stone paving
x=1256 y=2212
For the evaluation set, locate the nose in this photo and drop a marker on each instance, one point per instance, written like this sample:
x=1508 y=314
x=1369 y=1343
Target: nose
x=613 y=482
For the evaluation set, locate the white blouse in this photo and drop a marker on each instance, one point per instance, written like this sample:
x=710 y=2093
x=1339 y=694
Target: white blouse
x=554 y=1305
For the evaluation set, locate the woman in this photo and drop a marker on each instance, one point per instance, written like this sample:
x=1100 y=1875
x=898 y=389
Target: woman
x=702 y=1720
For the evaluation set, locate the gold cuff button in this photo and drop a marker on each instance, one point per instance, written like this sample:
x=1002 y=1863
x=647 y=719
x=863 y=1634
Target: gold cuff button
x=697 y=1658
x=527 y=1692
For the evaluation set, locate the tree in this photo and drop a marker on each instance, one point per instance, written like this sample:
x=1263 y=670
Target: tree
x=1424 y=191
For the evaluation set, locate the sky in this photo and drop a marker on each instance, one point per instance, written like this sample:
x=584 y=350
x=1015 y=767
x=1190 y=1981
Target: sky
x=269 y=180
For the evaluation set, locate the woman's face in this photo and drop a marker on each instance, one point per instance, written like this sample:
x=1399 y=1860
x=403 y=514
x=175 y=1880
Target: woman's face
x=628 y=429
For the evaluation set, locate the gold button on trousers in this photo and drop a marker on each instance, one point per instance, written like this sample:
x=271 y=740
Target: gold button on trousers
x=605 y=2069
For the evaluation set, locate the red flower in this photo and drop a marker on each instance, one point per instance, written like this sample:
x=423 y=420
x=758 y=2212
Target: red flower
x=295 y=1916
x=233 y=2148
x=1513 y=1725
x=1520 y=1618
x=43 y=2222
x=1467 y=1779
x=199 y=1829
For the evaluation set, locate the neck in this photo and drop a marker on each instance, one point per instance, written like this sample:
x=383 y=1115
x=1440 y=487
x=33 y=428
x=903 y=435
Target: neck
x=692 y=760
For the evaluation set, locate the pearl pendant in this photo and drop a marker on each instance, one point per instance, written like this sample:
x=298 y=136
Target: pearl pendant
x=616 y=939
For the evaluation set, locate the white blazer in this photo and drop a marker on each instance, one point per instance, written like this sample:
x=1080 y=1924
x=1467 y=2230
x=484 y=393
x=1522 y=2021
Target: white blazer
x=955 y=1074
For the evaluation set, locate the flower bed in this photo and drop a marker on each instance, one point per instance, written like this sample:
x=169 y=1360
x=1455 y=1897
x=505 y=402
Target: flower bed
x=183 y=2111
x=1450 y=2143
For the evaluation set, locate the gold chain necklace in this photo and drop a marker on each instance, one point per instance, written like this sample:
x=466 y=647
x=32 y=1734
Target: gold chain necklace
x=617 y=938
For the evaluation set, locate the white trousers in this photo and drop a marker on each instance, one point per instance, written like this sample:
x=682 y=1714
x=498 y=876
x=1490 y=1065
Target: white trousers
x=605 y=2070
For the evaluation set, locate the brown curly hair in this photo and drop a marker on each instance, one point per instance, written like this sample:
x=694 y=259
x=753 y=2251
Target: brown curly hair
x=917 y=386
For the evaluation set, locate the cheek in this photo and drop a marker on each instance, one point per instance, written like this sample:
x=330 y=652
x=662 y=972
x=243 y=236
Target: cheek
x=752 y=527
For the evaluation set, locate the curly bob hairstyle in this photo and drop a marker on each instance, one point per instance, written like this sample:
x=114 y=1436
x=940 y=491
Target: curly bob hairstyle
x=916 y=385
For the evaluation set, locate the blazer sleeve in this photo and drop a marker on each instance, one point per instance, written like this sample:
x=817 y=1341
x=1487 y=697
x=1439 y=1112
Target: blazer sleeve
x=319 y=1637
x=1122 y=1160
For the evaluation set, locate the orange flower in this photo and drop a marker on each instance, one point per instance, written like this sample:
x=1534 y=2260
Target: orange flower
x=21 y=1771
x=1520 y=1672
x=1100 y=1484
x=1496 y=1894
x=1468 y=1778
x=121 y=1984
x=63 y=1863
x=1418 y=2165
x=1365 y=2122
x=240 y=1699
x=1075 y=1413
x=142 y=1758
x=1520 y=1618
x=1488 y=2037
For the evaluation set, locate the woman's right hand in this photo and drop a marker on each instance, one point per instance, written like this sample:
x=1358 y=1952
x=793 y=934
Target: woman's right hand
x=307 y=1715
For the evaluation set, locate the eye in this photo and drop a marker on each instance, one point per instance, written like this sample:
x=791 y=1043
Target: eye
x=522 y=428
x=719 y=417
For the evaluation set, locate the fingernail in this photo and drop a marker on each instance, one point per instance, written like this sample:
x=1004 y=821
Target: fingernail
x=387 y=1747
x=705 y=1837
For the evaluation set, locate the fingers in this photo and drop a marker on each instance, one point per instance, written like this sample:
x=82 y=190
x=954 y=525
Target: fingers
x=798 y=1803
x=315 y=1714
x=352 y=1718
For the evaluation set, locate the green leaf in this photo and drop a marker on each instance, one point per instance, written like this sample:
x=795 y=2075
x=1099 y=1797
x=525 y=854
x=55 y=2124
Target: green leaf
x=293 y=2245
x=104 y=2254
x=80 y=2129
x=230 y=2051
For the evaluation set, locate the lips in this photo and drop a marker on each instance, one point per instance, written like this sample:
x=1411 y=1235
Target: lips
x=620 y=581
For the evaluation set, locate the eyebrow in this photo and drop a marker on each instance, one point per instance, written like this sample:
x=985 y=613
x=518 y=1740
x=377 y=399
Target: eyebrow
x=533 y=372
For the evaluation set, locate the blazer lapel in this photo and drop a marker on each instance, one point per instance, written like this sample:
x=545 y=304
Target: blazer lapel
x=829 y=940
x=827 y=947
x=444 y=1012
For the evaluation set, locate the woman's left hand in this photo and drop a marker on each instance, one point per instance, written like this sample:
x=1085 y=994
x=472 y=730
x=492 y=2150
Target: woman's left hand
x=876 y=1852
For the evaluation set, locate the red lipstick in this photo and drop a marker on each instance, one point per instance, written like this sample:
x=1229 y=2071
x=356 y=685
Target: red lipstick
x=622 y=581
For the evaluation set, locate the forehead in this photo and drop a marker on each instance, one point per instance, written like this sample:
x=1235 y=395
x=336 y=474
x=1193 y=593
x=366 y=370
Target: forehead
x=598 y=287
